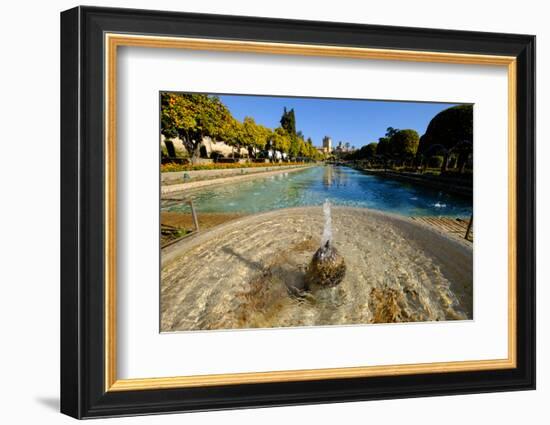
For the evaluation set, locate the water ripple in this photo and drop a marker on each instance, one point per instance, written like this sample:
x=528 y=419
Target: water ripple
x=340 y=185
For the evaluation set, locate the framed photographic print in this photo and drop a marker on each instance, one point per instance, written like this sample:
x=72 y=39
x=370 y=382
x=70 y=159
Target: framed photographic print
x=261 y=212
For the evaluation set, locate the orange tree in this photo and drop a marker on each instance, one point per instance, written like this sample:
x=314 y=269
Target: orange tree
x=280 y=140
x=254 y=136
x=191 y=117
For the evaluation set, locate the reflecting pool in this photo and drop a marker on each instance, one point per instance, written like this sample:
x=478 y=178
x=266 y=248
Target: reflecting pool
x=340 y=185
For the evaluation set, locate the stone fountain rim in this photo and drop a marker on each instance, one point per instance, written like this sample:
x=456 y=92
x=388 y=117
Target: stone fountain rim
x=174 y=251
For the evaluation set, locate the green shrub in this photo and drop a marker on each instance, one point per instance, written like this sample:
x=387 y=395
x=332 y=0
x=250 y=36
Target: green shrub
x=435 y=161
x=172 y=167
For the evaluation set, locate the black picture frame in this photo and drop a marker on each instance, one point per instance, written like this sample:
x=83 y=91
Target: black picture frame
x=83 y=392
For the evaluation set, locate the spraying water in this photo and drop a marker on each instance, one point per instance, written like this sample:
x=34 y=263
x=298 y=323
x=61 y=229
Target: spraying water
x=327 y=267
x=327 y=230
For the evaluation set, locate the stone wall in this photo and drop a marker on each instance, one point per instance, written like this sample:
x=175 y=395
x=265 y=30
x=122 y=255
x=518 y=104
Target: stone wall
x=210 y=145
x=189 y=176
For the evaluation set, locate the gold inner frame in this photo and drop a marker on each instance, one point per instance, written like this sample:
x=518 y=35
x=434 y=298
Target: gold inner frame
x=113 y=41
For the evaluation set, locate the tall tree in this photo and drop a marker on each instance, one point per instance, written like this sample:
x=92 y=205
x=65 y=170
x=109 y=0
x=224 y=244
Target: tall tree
x=288 y=122
x=383 y=149
x=383 y=146
x=369 y=150
x=311 y=151
x=404 y=144
x=390 y=131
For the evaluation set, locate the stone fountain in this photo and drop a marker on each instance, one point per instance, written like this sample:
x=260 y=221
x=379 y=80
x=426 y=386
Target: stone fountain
x=327 y=267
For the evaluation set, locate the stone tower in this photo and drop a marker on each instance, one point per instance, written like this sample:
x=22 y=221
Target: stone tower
x=327 y=144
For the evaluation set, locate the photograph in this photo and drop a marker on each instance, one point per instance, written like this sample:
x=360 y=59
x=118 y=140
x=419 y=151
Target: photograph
x=291 y=209
x=280 y=211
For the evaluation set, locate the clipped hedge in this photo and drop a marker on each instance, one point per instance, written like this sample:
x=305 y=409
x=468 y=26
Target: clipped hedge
x=171 y=167
x=435 y=161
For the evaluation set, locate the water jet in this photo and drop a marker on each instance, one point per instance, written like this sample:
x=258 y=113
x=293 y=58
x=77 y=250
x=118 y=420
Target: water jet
x=327 y=267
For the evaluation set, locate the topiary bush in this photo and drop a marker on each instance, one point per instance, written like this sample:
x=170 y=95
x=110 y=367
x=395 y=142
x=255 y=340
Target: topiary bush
x=449 y=128
x=435 y=161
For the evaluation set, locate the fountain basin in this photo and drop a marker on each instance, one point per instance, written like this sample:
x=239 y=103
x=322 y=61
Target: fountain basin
x=246 y=273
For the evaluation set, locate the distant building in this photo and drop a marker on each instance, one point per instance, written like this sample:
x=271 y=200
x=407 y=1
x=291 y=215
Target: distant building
x=327 y=144
x=344 y=147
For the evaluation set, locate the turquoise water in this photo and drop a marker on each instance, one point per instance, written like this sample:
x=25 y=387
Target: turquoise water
x=341 y=185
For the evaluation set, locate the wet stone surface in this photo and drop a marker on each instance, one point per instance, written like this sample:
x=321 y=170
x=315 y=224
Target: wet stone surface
x=251 y=273
x=327 y=268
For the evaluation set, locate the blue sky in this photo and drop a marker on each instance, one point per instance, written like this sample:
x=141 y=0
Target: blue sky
x=358 y=122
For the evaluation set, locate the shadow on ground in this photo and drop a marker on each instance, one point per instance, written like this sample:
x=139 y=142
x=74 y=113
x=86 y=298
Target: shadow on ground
x=49 y=402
